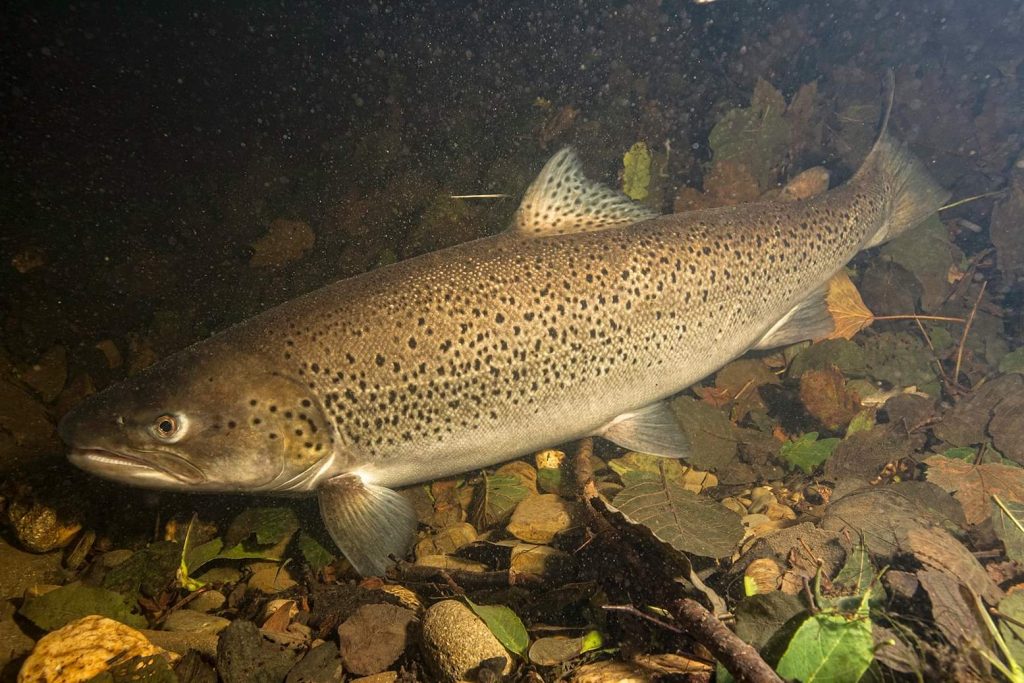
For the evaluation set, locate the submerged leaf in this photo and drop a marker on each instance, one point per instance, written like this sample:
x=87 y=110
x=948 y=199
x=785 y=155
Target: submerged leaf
x=829 y=647
x=1008 y=524
x=807 y=452
x=506 y=626
x=63 y=605
x=712 y=437
x=849 y=314
x=824 y=394
x=267 y=526
x=495 y=498
x=684 y=520
x=316 y=556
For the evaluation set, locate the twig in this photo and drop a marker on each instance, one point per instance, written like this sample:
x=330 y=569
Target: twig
x=459 y=580
x=918 y=318
x=935 y=354
x=629 y=609
x=971 y=199
x=963 y=336
x=479 y=196
x=740 y=658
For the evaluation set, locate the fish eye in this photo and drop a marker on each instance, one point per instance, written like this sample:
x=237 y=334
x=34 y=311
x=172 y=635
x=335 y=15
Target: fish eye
x=166 y=426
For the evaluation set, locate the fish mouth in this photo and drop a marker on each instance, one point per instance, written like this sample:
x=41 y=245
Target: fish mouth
x=153 y=468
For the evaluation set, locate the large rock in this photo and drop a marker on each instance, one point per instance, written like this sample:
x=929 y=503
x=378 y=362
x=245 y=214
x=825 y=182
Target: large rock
x=374 y=637
x=244 y=656
x=85 y=648
x=456 y=642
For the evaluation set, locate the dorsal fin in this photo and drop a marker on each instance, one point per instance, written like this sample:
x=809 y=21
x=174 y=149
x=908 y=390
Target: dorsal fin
x=562 y=200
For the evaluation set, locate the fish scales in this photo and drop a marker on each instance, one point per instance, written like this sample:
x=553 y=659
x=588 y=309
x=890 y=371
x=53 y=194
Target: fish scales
x=579 y=320
x=507 y=344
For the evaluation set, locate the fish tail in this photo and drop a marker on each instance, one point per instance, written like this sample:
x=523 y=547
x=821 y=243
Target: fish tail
x=910 y=192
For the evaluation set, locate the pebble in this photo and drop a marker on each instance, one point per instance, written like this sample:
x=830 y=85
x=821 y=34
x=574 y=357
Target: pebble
x=539 y=560
x=374 y=637
x=382 y=677
x=537 y=519
x=85 y=648
x=39 y=526
x=322 y=664
x=208 y=601
x=220 y=575
x=195 y=622
x=193 y=669
x=182 y=642
x=449 y=562
x=447 y=540
x=243 y=656
x=455 y=642
x=270 y=577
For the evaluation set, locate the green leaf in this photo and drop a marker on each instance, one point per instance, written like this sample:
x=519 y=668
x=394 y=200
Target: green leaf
x=495 y=498
x=505 y=625
x=1013 y=361
x=861 y=422
x=316 y=556
x=268 y=526
x=57 y=608
x=636 y=173
x=807 y=452
x=828 y=647
x=148 y=571
x=686 y=521
x=967 y=453
x=1008 y=524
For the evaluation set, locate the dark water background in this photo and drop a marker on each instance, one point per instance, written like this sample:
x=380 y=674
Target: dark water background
x=146 y=145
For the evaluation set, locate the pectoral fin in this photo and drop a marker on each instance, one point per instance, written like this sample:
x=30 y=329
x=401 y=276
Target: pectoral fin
x=809 y=319
x=652 y=429
x=368 y=523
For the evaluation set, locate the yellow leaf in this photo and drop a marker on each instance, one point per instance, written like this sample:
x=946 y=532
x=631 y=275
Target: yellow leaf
x=847 y=309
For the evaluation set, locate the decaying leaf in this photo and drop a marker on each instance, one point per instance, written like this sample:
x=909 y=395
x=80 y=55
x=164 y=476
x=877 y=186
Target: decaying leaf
x=973 y=485
x=1008 y=525
x=633 y=468
x=711 y=434
x=847 y=309
x=684 y=520
x=824 y=394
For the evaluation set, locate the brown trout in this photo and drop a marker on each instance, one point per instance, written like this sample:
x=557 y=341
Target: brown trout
x=580 y=319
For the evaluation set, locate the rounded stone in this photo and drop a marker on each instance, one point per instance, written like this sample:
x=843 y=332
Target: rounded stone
x=456 y=642
x=537 y=519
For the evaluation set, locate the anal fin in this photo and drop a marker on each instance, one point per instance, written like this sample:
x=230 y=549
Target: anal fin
x=809 y=319
x=369 y=524
x=652 y=429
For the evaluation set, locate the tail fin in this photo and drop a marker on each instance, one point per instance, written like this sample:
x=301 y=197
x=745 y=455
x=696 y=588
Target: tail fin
x=912 y=193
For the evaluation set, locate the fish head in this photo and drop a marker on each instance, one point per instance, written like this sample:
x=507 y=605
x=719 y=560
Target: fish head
x=207 y=419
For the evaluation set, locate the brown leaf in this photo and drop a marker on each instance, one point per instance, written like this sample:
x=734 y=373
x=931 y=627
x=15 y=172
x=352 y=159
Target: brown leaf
x=974 y=485
x=847 y=309
x=824 y=394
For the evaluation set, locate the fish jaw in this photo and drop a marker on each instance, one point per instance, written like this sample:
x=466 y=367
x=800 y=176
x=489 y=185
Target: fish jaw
x=155 y=469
